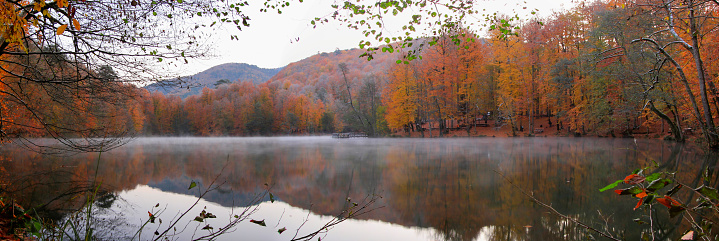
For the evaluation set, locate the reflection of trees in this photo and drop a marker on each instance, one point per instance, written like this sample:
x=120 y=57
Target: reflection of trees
x=458 y=193
x=439 y=186
x=446 y=185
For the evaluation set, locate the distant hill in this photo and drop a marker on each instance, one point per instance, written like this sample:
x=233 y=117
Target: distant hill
x=321 y=70
x=213 y=77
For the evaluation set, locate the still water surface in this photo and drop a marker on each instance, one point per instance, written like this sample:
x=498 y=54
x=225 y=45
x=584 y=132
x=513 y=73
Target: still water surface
x=430 y=189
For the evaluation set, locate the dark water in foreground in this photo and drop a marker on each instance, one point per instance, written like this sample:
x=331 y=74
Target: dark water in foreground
x=431 y=189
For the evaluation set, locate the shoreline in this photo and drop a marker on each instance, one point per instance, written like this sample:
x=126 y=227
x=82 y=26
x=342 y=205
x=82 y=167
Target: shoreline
x=543 y=130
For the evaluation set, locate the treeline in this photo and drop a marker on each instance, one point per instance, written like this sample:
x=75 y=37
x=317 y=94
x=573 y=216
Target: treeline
x=603 y=68
x=51 y=101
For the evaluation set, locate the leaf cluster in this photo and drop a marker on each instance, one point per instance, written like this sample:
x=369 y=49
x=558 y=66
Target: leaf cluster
x=424 y=21
x=663 y=188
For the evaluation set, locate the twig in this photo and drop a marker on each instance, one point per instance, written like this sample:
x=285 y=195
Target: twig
x=554 y=210
x=202 y=195
x=297 y=232
x=350 y=213
x=282 y=215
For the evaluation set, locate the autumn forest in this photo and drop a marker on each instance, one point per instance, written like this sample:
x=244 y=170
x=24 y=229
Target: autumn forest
x=605 y=68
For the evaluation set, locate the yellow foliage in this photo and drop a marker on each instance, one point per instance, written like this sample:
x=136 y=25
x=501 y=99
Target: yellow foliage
x=61 y=29
x=76 y=24
x=13 y=25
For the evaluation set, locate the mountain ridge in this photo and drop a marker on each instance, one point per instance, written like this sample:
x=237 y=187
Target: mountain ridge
x=213 y=77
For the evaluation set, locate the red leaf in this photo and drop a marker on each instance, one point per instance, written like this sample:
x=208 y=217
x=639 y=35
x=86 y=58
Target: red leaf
x=633 y=179
x=618 y=192
x=664 y=202
x=668 y=202
x=640 y=202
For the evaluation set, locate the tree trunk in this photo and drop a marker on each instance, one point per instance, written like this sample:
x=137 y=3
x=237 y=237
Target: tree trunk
x=676 y=132
x=711 y=135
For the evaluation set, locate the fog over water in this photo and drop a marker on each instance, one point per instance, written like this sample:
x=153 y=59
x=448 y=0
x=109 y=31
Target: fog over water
x=431 y=189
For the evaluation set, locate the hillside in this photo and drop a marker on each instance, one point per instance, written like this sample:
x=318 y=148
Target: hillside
x=307 y=96
x=213 y=77
x=321 y=69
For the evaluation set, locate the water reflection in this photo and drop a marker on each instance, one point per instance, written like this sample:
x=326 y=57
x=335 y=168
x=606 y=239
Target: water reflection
x=448 y=186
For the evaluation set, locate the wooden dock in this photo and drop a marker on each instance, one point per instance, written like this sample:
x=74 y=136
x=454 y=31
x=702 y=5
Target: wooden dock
x=349 y=135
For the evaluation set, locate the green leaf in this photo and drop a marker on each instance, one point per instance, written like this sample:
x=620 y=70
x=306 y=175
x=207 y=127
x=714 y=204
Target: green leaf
x=703 y=205
x=399 y=61
x=674 y=210
x=649 y=199
x=281 y=230
x=632 y=190
x=653 y=177
x=706 y=175
x=708 y=192
x=272 y=198
x=639 y=221
x=610 y=186
x=192 y=185
x=658 y=184
x=674 y=190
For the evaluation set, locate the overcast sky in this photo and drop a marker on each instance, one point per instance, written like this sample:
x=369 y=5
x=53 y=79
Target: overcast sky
x=272 y=39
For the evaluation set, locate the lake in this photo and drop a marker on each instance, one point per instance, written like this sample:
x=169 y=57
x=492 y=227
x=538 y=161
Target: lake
x=420 y=189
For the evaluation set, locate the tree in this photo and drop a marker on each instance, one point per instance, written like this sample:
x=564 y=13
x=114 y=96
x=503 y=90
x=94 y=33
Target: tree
x=62 y=47
x=400 y=97
x=685 y=25
x=358 y=115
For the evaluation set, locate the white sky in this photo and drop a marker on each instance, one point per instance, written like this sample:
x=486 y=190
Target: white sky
x=271 y=40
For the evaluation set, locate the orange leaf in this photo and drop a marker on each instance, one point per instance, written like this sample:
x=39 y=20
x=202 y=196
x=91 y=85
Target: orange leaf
x=76 y=24
x=149 y=213
x=640 y=202
x=642 y=194
x=61 y=29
